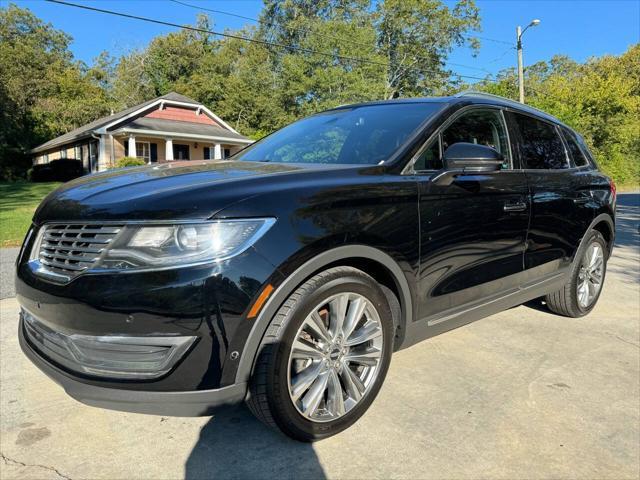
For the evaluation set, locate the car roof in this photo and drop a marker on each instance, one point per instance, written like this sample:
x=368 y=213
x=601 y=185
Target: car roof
x=467 y=98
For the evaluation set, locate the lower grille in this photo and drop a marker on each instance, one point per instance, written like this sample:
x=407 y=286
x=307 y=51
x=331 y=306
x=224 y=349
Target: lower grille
x=111 y=356
x=69 y=249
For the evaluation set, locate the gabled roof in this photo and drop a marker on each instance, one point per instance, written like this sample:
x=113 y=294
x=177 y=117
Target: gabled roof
x=185 y=128
x=86 y=130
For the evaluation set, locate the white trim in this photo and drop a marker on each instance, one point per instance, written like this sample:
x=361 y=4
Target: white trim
x=162 y=101
x=183 y=136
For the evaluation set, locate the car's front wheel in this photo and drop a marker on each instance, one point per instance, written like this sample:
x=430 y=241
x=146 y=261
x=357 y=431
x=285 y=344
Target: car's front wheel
x=324 y=356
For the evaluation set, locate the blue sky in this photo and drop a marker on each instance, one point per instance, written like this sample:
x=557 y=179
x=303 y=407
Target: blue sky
x=577 y=28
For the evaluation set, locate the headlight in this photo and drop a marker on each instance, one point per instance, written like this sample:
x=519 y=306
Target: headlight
x=163 y=246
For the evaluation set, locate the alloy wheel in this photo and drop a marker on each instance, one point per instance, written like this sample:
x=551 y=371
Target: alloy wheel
x=590 y=275
x=335 y=357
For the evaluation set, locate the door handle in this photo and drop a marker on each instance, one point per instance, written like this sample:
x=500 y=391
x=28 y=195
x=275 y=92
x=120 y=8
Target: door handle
x=515 y=207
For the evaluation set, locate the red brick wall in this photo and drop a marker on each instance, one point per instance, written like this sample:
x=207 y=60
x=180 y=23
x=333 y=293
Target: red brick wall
x=181 y=115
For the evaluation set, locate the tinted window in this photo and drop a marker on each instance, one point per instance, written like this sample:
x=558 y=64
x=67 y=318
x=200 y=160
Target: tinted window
x=483 y=127
x=429 y=159
x=365 y=134
x=540 y=145
x=575 y=151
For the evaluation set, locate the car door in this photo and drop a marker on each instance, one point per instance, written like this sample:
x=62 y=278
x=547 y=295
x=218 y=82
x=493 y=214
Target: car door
x=473 y=230
x=561 y=202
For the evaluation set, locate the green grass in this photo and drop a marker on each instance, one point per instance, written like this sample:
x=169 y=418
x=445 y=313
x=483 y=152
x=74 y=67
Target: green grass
x=18 y=201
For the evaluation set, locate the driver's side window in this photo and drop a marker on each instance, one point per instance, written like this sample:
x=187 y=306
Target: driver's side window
x=480 y=126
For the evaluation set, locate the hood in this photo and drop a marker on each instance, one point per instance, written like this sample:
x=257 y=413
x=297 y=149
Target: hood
x=177 y=190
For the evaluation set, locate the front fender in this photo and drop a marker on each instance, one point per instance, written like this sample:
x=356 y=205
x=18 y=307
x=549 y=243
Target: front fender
x=298 y=276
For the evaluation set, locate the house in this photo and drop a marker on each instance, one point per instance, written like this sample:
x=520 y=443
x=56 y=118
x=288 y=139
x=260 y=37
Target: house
x=170 y=127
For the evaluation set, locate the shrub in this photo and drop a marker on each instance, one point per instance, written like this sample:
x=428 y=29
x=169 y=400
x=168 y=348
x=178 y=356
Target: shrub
x=130 y=162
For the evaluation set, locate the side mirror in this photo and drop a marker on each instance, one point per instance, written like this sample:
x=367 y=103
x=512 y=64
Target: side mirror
x=464 y=158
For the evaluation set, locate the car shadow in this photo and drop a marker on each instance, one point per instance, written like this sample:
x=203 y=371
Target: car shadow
x=234 y=444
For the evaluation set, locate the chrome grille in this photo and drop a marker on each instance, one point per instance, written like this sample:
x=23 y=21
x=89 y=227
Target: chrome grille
x=69 y=249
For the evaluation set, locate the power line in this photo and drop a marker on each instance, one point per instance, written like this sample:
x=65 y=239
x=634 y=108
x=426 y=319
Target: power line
x=488 y=39
x=212 y=32
x=237 y=37
x=300 y=30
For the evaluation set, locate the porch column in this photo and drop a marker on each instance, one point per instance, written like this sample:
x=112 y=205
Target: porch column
x=168 y=152
x=102 y=153
x=132 y=146
x=217 y=152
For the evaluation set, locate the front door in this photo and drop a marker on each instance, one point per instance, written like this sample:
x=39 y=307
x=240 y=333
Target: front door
x=180 y=151
x=473 y=231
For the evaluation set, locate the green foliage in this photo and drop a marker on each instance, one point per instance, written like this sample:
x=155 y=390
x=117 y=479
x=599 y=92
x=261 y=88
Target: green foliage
x=257 y=88
x=415 y=36
x=129 y=162
x=600 y=99
x=43 y=91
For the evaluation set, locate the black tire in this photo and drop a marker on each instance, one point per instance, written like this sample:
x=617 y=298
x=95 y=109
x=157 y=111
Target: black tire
x=565 y=301
x=269 y=398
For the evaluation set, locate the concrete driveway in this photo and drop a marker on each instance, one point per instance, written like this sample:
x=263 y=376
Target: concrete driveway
x=522 y=394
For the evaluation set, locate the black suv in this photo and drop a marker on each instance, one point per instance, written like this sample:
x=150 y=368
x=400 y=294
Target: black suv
x=288 y=275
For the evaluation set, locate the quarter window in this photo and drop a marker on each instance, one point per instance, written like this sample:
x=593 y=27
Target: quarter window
x=579 y=160
x=479 y=126
x=540 y=145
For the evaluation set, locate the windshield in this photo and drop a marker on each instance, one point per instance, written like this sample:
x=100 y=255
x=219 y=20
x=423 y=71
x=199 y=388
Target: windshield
x=365 y=134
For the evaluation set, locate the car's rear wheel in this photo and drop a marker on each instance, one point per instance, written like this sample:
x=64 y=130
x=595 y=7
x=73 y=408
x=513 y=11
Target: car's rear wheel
x=580 y=294
x=324 y=356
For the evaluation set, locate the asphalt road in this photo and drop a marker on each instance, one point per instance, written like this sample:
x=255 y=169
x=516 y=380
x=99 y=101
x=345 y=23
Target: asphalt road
x=521 y=394
x=7 y=265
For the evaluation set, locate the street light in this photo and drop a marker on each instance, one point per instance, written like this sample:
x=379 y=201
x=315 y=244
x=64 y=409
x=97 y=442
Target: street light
x=519 y=33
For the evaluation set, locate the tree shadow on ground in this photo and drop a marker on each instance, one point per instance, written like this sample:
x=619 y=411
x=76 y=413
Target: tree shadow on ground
x=234 y=444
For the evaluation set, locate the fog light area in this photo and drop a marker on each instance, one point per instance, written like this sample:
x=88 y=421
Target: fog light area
x=112 y=356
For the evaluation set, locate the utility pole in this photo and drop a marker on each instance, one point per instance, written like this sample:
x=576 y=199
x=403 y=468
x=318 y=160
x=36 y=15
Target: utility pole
x=520 y=67
x=519 y=33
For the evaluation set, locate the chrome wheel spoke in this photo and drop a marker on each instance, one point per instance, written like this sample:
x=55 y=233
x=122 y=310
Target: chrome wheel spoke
x=354 y=314
x=352 y=382
x=315 y=394
x=337 y=313
x=367 y=332
x=370 y=357
x=301 y=382
x=594 y=256
x=317 y=328
x=335 y=400
x=303 y=349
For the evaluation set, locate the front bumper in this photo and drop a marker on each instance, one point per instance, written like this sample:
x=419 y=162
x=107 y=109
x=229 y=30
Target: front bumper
x=80 y=322
x=182 y=404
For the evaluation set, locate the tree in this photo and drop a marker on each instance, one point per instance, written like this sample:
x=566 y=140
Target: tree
x=416 y=36
x=43 y=91
x=599 y=98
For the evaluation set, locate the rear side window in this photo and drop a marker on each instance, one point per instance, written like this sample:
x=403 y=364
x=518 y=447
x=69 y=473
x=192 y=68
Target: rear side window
x=575 y=151
x=540 y=145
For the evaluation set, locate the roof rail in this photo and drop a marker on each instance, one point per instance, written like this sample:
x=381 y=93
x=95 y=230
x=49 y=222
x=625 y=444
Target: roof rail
x=475 y=93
